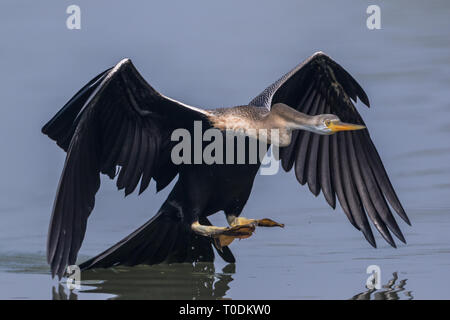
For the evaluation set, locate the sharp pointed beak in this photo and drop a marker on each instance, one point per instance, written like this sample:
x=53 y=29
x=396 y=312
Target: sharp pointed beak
x=337 y=126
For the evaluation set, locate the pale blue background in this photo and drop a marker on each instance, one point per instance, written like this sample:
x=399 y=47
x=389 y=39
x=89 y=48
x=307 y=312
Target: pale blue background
x=211 y=54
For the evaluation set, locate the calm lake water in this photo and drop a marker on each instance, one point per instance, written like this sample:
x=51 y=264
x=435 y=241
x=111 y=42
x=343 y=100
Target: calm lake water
x=210 y=54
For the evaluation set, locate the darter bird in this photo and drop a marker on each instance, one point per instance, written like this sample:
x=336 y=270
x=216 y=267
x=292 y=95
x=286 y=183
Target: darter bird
x=118 y=125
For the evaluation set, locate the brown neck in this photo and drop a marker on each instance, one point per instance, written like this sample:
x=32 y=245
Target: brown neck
x=283 y=116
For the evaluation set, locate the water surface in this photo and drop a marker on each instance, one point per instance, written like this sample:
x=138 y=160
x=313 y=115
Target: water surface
x=222 y=54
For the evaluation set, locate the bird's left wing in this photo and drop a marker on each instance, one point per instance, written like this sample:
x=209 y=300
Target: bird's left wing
x=345 y=164
x=116 y=120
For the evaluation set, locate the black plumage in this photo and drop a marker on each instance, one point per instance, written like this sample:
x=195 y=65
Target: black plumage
x=120 y=126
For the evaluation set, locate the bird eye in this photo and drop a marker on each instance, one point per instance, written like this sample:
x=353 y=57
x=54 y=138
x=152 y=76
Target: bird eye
x=327 y=122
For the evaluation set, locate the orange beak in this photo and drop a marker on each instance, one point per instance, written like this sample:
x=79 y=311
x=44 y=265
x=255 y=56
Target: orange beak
x=336 y=126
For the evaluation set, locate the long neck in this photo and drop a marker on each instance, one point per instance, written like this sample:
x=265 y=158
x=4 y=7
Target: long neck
x=281 y=115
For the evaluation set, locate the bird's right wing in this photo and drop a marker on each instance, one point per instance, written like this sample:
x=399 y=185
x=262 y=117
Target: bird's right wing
x=116 y=120
x=345 y=164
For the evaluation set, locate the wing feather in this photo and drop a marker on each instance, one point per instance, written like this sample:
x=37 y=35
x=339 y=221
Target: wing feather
x=345 y=165
x=116 y=121
x=325 y=169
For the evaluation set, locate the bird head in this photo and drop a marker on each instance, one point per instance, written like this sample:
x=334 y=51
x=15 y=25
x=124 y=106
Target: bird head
x=327 y=124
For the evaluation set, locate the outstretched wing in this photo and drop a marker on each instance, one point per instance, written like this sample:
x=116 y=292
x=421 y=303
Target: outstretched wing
x=116 y=120
x=345 y=164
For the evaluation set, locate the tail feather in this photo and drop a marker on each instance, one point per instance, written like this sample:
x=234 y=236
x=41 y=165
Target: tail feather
x=162 y=239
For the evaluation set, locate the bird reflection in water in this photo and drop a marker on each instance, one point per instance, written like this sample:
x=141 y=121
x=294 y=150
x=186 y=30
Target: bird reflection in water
x=188 y=281
x=175 y=281
x=389 y=291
